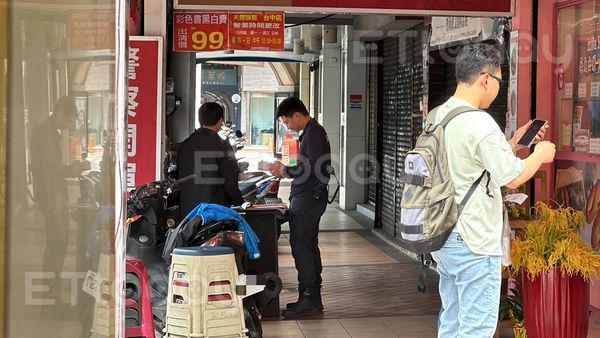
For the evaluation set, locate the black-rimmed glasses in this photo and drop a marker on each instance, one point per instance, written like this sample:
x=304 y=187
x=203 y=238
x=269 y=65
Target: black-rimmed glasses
x=500 y=81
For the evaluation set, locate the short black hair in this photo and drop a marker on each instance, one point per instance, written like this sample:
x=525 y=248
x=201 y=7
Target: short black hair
x=477 y=58
x=289 y=106
x=65 y=105
x=209 y=114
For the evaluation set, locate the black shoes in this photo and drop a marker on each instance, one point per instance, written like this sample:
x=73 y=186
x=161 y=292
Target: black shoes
x=309 y=304
x=319 y=303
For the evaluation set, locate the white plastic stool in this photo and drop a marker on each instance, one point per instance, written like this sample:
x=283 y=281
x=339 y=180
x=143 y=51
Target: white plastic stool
x=202 y=294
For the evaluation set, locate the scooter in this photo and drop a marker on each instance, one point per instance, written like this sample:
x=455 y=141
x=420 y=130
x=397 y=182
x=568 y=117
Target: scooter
x=152 y=213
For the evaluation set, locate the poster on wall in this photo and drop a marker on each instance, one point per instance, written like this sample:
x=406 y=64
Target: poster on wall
x=144 y=116
x=577 y=185
x=214 y=31
x=513 y=92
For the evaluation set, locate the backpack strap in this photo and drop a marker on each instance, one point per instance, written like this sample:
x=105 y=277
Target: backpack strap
x=472 y=188
x=455 y=112
x=430 y=123
x=452 y=114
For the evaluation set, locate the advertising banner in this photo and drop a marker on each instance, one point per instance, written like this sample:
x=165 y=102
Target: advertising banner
x=212 y=31
x=144 y=118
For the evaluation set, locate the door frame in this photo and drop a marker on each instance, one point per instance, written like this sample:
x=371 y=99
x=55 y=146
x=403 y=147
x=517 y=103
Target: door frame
x=3 y=146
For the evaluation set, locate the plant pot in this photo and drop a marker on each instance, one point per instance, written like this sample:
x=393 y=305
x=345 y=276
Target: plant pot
x=556 y=306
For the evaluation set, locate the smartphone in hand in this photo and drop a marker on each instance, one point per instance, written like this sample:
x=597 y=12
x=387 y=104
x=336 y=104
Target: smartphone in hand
x=529 y=136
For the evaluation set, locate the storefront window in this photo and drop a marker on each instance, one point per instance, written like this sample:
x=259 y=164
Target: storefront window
x=577 y=108
x=61 y=203
x=578 y=79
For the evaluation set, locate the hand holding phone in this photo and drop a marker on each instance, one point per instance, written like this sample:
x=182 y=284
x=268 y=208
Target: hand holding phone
x=529 y=136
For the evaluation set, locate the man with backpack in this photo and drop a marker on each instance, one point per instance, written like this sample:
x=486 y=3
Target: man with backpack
x=479 y=162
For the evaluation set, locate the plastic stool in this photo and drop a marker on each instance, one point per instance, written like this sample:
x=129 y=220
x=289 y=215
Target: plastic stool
x=202 y=294
x=138 y=300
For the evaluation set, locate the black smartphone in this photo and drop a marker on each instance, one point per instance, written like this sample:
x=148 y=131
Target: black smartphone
x=529 y=136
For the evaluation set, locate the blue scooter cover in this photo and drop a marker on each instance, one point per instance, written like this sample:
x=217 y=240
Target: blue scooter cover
x=211 y=213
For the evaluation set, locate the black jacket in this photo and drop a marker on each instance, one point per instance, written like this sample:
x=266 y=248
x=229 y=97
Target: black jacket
x=212 y=160
x=313 y=159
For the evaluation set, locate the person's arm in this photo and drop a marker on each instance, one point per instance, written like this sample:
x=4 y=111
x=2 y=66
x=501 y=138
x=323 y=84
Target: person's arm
x=543 y=153
x=502 y=164
x=230 y=173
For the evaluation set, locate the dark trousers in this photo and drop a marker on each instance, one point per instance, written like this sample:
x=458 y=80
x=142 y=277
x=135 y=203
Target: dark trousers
x=304 y=216
x=57 y=241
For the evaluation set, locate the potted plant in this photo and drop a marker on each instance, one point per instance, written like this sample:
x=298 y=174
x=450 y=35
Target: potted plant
x=511 y=307
x=555 y=265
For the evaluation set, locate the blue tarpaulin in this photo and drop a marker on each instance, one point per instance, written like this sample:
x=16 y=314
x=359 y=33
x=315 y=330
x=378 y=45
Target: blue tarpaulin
x=211 y=213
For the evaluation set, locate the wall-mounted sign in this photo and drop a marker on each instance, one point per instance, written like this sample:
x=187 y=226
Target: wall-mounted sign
x=219 y=77
x=448 y=29
x=91 y=30
x=144 y=116
x=204 y=31
x=423 y=7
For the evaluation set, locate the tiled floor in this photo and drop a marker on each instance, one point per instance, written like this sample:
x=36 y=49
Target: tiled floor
x=369 y=288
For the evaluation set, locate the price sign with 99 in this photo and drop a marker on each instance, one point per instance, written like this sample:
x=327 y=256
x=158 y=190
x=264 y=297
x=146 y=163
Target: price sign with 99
x=202 y=41
x=197 y=32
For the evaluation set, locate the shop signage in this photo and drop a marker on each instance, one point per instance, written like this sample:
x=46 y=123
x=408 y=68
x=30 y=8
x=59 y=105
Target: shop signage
x=144 y=117
x=91 y=30
x=446 y=30
x=423 y=7
x=212 y=31
x=219 y=77
x=356 y=102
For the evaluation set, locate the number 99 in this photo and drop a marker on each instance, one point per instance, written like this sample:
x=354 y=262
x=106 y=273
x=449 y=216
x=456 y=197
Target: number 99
x=214 y=40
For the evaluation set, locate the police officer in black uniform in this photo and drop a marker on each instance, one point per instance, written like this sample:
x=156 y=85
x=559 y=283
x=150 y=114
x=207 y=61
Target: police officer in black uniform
x=212 y=160
x=308 y=200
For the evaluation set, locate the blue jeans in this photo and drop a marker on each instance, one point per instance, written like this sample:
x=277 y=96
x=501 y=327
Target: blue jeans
x=470 y=290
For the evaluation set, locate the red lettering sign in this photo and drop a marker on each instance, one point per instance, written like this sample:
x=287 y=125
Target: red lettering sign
x=257 y=31
x=199 y=32
x=143 y=111
x=203 y=31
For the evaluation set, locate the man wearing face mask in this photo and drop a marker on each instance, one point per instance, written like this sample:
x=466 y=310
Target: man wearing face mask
x=308 y=201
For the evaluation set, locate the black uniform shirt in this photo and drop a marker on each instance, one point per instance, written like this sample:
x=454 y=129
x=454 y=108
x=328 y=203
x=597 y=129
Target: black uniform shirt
x=314 y=157
x=213 y=161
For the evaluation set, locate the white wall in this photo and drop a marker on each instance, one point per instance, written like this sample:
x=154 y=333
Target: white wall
x=354 y=126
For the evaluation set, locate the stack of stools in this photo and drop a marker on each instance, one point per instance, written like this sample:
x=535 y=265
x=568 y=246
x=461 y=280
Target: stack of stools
x=138 y=301
x=202 y=294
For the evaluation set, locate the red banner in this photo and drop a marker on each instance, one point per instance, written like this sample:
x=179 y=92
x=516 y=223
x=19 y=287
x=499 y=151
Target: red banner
x=198 y=32
x=423 y=7
x=256 y=31
x=144 y=121
x=202 y=31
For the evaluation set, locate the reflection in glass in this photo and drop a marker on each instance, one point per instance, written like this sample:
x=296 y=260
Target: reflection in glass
x=61 y=160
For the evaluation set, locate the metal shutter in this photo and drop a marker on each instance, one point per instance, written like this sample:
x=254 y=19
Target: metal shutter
x=404 y=137
x=390 y=99
x=372 y=106
x=410 y=102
